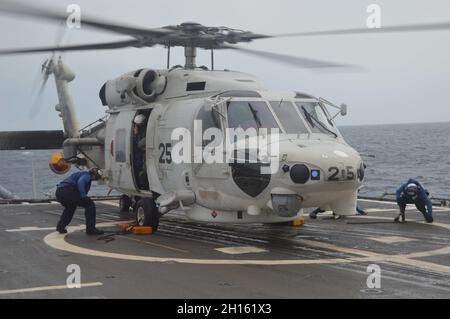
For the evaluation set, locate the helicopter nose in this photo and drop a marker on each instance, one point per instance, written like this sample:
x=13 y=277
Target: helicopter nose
x=331 y=162
x=324 y=174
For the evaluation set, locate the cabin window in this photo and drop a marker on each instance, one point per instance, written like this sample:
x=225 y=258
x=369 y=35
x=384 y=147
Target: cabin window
x=120 y=146
x=196 y=86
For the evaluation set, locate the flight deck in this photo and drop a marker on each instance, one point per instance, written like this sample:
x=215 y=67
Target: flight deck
x=324 y=258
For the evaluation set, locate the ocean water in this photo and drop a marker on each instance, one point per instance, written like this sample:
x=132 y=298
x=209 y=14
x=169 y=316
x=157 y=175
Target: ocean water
x=420 y=151
x=402 y=151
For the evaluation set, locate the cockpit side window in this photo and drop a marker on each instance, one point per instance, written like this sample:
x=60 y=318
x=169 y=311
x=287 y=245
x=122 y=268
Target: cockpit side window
x=247 y=114
x=208 y=119
x=316 y=117
x=288 y=117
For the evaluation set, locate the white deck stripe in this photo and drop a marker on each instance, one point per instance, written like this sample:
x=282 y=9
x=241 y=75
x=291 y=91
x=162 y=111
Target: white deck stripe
x=393 y=209
x=376 y=201
x=47 y=288
x=31 y=228
x=392 y=239
x=79 y=226
x=440 y=208
x=447 y=226
x=28 y=204
x=233 y=250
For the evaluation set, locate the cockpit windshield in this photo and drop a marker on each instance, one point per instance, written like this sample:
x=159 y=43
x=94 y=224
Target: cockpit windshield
x=246 y=114
x=316 y=117
x=288 y=117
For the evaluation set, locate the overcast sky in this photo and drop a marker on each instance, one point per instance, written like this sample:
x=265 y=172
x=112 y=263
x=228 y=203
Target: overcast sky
x=406 y=78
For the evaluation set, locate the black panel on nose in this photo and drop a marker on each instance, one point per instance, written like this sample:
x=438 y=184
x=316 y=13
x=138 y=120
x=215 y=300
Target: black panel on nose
x=248 y=177
x=299 y=173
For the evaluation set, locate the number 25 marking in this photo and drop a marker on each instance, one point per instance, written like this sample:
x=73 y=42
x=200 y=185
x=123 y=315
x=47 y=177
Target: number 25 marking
x=348 y=173
x=166 y=155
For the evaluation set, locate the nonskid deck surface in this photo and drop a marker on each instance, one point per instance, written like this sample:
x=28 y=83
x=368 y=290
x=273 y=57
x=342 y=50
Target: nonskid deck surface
x=323 y=258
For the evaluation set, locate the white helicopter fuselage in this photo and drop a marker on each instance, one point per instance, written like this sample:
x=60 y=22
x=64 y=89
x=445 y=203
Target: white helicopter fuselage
x=136 y=144
x=316 y=167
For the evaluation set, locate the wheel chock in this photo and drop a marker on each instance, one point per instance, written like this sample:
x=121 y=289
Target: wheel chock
x=137 y=230
x=142 y=230
x=124 y=227
x=298 y=222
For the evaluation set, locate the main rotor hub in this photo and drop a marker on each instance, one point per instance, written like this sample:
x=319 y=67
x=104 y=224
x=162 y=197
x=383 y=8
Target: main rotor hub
x=192 y=34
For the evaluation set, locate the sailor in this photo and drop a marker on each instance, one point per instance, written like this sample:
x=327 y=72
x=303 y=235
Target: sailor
x=412 y=192
x=72 y=192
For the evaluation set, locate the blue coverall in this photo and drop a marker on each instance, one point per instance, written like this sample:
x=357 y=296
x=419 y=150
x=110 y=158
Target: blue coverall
x=420 y=199
x=72 y=192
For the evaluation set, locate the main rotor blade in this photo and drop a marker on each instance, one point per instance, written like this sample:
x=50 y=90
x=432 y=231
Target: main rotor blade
x=51 y=14
x=81 y=47
x=389 y=29
x=289 y=59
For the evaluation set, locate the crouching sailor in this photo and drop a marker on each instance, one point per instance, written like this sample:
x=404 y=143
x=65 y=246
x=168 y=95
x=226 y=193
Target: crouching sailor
x=71 y=193
x=412 y=192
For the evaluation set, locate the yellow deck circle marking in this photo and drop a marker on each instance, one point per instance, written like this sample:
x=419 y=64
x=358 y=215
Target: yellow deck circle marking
x=57 y=241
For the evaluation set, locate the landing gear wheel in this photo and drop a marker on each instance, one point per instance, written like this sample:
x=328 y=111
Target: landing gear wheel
x=147 y=213
x=124 y=203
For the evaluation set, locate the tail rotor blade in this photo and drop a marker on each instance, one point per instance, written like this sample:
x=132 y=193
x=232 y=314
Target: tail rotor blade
x=36 y=107
x=38 y=77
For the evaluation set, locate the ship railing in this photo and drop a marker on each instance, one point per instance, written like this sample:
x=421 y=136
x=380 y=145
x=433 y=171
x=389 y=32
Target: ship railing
x=390 y=196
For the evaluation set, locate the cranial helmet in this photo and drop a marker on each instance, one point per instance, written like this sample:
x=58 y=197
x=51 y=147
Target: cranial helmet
x=139 y=119
x=411 y=189
x=95 y=172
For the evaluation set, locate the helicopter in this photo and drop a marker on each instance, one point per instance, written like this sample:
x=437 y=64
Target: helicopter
x=216 y=144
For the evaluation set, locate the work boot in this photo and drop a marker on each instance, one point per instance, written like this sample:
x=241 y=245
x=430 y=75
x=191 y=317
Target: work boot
x=312 y=215
x=397 y=219
x=61 y=230
x=429 y=219
x=94 y=232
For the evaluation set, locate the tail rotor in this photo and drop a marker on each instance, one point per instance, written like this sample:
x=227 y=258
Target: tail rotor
x=47 y=69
